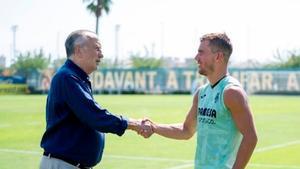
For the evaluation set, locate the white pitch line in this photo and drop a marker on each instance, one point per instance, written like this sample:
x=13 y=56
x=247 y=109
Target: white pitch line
x=145 y=158
x=181 y=166
x=19 y=151
x=5 y=125
x=104 y=156
x=275 y=166
x=34 y=123
x=251 y=164
x=268 y=148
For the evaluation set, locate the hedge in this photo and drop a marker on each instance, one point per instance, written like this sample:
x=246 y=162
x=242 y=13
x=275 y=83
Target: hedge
x=13 y=89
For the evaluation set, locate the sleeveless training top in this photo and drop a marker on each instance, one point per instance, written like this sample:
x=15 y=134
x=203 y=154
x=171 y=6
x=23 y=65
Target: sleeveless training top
x=218 y=138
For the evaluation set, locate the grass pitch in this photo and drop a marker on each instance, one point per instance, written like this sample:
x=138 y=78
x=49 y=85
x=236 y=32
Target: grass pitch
x=277 y=118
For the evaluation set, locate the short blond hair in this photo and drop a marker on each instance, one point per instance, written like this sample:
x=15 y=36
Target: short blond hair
x=219 y=42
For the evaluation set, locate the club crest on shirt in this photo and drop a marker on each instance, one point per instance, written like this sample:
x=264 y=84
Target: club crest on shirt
x=217 y=97
x=202 y=96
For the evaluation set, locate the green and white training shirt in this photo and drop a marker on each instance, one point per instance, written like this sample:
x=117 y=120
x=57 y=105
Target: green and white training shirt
x=218 y=138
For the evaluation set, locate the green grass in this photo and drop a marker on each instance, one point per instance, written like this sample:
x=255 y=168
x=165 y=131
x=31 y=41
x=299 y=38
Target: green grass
x=277 y=118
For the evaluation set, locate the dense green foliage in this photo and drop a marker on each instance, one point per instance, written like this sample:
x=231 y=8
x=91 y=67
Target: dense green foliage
x=13 y=89
x=292 y=60
x=1 y=70
x=146 y=62
x=30 y=62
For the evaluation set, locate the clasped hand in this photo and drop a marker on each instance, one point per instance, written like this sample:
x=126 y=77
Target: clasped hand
x=145 y=128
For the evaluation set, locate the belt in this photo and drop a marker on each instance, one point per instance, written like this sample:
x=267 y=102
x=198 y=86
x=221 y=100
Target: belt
x=78 y=165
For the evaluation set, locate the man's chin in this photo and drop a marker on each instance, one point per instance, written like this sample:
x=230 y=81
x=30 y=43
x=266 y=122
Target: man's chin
x=96 y=68
x=201 y=72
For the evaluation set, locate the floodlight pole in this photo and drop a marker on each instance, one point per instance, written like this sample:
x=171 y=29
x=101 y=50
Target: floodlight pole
x=162 y=39
x=14 y=30
x=117 y=29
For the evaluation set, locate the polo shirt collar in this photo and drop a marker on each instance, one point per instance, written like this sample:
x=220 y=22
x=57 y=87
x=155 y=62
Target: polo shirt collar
x=70 y=64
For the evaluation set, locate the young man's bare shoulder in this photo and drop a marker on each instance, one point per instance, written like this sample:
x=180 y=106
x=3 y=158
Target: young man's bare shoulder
x=234 y=94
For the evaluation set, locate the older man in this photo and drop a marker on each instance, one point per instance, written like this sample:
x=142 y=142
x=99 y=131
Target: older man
x=74 y=136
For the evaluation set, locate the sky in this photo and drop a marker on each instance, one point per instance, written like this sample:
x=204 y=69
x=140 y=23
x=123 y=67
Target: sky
x=168 y=28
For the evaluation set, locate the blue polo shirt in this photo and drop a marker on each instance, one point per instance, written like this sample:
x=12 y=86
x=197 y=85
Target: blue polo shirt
x=75 y=122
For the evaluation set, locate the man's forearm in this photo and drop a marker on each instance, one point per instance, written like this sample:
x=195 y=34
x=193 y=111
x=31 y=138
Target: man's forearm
x=174 y=131
x=133 y=124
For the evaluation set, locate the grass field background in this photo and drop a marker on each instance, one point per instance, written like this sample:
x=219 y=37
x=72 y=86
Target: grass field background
x=277 y=118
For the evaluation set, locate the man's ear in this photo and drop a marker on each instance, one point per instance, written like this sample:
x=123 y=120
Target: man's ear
x=220 y=57
x=77 y=50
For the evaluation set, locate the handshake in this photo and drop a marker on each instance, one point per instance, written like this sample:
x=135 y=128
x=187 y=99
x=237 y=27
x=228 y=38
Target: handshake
x=143 y=127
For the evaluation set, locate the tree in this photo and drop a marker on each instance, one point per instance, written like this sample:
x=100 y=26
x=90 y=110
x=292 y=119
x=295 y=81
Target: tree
x=25 y=64
x=291 y=60
x=107 y=63
x=57 y=63
x=96 y=7
x=1 y=70
x=145 y=62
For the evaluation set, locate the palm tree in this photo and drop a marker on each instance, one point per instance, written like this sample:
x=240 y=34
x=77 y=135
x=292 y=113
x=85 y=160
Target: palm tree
x=96 y=7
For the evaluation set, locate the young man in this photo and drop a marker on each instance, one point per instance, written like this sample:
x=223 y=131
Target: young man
x=74 y=136
x=220 y=113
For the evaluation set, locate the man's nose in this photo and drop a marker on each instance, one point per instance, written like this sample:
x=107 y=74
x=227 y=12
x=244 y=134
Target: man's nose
x=196 y=57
